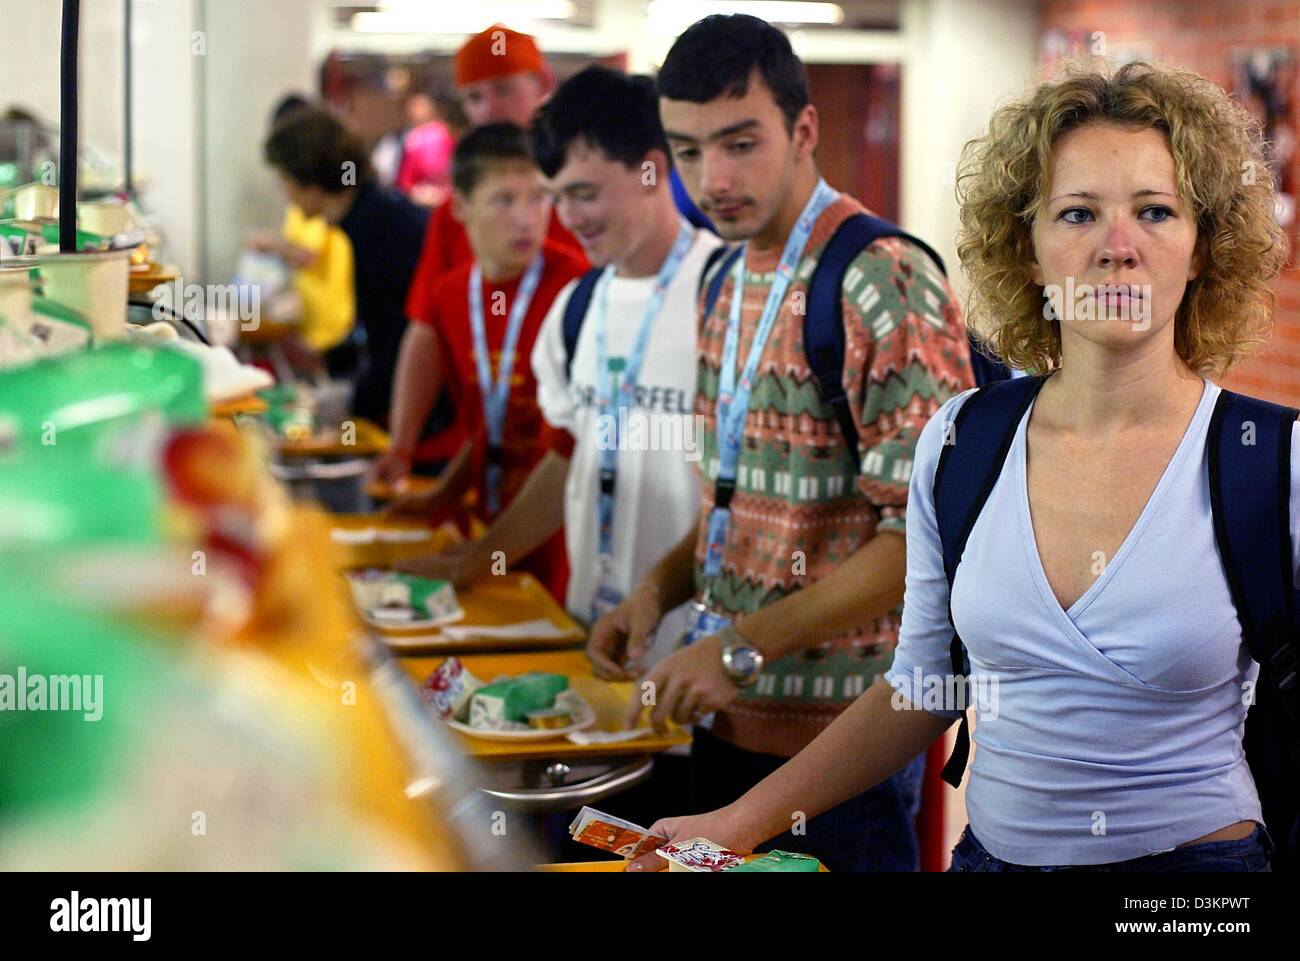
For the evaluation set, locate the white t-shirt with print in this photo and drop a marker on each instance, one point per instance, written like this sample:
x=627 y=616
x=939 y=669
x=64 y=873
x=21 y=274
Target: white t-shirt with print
x=657 y=497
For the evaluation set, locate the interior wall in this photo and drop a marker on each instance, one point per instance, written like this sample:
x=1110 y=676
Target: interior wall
x=256 y=53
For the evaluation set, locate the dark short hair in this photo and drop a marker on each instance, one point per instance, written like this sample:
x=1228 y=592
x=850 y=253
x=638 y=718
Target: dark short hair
x=607 y=109
x=484 y=146
x=716 y=55
x=288 y=104
x=310 y=146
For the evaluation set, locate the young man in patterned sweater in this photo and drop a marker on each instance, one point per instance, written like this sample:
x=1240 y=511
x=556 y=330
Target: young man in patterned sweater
x=798 y=578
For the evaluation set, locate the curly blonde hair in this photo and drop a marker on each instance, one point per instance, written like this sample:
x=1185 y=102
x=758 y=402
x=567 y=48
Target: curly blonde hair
x=1003 y=180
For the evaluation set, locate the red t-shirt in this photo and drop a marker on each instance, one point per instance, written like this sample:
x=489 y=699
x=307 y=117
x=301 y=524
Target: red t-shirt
x=446 y=246
x=525 y=440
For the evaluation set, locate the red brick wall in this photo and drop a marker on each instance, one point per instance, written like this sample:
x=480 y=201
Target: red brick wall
x=1202 y=35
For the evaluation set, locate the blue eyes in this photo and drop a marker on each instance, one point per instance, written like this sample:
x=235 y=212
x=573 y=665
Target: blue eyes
x=1159 y=214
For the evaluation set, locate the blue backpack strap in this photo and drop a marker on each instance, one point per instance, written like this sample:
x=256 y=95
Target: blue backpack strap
x=575 y=311
x=1249 y=454
x=712 y=285
x=975 y=447
x=823 y=323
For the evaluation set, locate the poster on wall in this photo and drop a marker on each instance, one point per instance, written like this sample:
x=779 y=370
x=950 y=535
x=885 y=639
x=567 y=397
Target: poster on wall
x=1264 y=81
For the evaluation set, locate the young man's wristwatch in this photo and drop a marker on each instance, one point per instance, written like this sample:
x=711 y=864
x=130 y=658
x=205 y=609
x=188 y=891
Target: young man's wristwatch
x=741 y=660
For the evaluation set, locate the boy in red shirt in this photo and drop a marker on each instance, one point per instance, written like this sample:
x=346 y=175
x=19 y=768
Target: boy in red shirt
x=501 y=76
x=486 y=315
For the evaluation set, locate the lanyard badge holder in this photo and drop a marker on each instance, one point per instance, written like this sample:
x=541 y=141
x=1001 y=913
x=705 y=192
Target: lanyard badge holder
x=610 y=385
x=496 y=393
x=733 y=400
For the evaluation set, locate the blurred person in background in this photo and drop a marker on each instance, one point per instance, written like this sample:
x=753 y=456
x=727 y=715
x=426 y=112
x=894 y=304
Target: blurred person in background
x=424 y=171
x=484 y=320
x=325 y=172
x=320 y=256
x=25 y=145
x=501 y=77
x=452 y=113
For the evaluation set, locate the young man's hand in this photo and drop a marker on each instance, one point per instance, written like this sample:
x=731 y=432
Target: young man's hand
x=391 y=467
x=723 y=826
x=619 y=639
x=439 y=499
x=462 y=565
x=686 y=686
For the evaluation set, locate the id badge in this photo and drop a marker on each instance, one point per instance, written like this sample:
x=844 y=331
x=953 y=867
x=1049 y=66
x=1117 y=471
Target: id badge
x=494 y=475
x=704 y=623
x=606 y=600
x=719 y=518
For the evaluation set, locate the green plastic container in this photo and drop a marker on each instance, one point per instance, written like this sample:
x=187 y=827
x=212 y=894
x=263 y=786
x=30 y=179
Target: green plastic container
x=79 y=397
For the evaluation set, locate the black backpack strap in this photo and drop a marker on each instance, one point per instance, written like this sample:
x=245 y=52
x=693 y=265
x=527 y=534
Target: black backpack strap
x=724 y=258
x=575 y=311
x=1249 y=455
x=975 y=446
x=1250 y=493
x=823 y=323
x=986 y=369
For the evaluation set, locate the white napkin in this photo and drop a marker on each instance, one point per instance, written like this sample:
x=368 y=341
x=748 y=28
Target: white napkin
x=607 y=737
x=521 y=629
x=224 y=377
x=369 y=535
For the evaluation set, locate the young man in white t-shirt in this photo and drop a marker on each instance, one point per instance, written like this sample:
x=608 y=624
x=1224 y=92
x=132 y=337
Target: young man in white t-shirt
x=601 y=146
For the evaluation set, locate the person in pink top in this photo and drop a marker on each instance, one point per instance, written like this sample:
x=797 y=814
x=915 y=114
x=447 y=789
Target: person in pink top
x=424 y=173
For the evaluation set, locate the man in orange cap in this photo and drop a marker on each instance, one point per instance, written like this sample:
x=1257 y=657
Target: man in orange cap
x=501 y=76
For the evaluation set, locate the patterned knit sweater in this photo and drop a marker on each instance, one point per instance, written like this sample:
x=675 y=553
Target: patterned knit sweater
x=799 y=510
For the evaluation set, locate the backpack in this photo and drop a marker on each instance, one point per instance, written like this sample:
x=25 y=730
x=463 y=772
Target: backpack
x=823 y=322
x=1249 y=494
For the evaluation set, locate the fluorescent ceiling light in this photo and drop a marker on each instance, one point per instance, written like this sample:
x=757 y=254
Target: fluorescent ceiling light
x=417 y=17
x=676 y=15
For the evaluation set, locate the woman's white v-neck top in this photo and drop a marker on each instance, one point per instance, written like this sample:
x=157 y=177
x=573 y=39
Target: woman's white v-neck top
x=1108 y=731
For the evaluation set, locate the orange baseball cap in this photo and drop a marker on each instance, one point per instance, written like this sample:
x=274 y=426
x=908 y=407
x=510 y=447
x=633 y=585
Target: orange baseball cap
x=497 y=52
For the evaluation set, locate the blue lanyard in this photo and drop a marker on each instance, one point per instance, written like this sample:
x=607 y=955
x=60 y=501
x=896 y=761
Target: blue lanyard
x=631 y=372
x=733 y=397
x=496 y=394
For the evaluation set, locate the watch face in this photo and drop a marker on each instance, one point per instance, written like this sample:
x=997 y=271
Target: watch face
x=743 y=661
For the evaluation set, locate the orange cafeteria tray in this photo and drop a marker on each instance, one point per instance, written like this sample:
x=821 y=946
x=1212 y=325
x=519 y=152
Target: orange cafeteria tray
x=386 y=553
x=609 y=699
x=415 y=484
x=245 y=405
x=506 y=599
x=368 y=440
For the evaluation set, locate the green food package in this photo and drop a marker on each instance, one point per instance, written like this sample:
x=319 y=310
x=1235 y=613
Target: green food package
x=400 y=597
x=85 y=239
x=79 y=398
x=59 y=498
x=780 y=861
x=72 y=686
x=511 y=700
x=288 y=412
